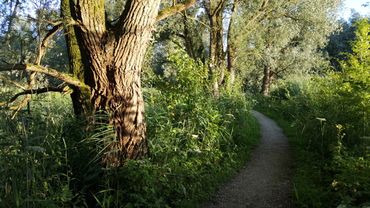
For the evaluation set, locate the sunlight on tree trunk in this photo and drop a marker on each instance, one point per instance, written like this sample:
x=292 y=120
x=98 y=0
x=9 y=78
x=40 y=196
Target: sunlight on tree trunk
x=109 y=60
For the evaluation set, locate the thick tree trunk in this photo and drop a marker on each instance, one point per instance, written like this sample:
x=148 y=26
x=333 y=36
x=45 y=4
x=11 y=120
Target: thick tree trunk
x=111 y=60
x=266 y=81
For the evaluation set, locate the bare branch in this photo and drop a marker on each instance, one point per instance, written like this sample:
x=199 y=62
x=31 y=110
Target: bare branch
x=167 y=12
x=45 y=42
x=11 y=19
x=38 y=91
x=67 y=78
x=291 y=17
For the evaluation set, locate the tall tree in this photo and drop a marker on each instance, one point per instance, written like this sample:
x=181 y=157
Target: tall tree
x=112 y=57
x=284 y=38
x=231 y=43
x=184 y=30
x=340 y=42
x=215 y=11
x=106 y=59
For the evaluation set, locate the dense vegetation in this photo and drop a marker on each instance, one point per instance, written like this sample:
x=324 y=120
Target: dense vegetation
x=327 y=117
x=48 y=160
x=72 y=126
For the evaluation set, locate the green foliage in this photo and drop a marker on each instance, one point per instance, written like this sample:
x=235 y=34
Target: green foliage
x=330 y=117
x=339 y=43
x=195 y=142
x=287 y=40
x=183 y=78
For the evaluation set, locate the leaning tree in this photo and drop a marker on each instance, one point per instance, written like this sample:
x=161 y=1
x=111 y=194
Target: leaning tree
x=106 y=58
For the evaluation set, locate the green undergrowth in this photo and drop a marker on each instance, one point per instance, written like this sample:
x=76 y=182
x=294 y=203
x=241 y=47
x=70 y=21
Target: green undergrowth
x=331 y=149
x=33 y=154
x=308 y=189
x=50 y=159
x=327 y=118
x=328 y=173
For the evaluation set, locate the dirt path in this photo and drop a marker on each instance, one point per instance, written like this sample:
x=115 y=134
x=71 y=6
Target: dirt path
x=265 y=180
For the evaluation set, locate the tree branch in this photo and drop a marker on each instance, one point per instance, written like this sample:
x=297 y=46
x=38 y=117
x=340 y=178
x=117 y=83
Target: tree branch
x=44 y=44
x=48 y=71
x=38 y=91
x=167 y=12
x=53 y=23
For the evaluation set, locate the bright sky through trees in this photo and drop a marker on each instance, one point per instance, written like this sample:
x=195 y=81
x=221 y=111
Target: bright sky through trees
x=356 y=5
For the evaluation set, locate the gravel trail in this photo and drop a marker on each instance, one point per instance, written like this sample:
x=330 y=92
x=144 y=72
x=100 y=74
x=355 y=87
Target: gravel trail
x=265 y=181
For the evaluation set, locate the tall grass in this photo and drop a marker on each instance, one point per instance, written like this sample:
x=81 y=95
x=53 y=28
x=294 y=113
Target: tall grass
x=33 y=155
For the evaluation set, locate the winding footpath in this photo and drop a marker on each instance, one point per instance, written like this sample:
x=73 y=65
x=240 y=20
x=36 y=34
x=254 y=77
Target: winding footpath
x=265 y=181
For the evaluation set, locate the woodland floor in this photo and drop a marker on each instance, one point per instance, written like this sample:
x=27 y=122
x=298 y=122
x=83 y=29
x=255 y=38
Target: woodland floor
x=265 y=181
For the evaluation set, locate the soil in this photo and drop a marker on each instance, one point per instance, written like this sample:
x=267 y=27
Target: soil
x=265 y=181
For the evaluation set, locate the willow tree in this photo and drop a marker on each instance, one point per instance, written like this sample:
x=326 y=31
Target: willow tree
x=111 y=55
x=106 y=58
x=283 y=38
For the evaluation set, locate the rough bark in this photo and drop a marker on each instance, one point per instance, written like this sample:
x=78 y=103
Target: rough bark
x=108 y=58
x=112 y=62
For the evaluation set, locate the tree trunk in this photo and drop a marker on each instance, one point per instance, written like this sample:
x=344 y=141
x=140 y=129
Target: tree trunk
x=231 y=47
x=80 y=97
x=192 y=36
x=112 y=60
x=108 y=59
x=216 y=56
x=266 y=81
x=189 y=45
